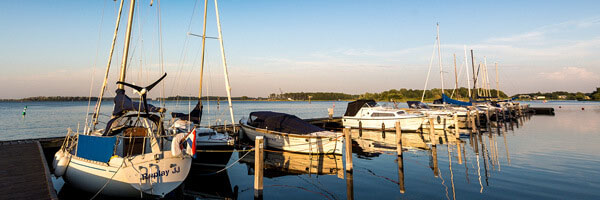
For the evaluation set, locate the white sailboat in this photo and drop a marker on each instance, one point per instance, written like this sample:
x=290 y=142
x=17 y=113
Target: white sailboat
x=133 y=156
x=207 y=138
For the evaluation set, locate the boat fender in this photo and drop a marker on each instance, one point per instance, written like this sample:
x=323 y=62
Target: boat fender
x=62 y=165
x=176 y=145
x=57 y=156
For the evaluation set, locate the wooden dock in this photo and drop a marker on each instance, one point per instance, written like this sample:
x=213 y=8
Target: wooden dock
x=24 y=171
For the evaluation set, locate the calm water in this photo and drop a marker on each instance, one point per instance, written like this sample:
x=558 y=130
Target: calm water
x=549 y=157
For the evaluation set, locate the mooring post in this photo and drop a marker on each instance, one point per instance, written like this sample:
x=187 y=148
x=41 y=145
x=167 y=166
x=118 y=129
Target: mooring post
x=400 y=162
x=258 y=166
x=359 y=128
x=459 y=152
x=497 y=121
x=431 y=130
x=383 y=130
x=348 y=141
x=456 y=130
x=349 y=186
x=487 y=119
x=398 y=138
x=435 y=161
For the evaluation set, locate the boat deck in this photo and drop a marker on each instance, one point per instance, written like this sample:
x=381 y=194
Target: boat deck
x=24 y=172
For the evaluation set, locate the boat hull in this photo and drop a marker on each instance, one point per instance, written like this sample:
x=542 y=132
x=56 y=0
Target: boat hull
x=406 y=124
x=297 y=143
x=129 y=178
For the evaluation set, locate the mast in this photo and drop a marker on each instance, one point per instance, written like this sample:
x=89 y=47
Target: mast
x=227 y=85
x=112 y=49
x=487 y=77
x=126 y=47
x=203 y=48
x=455 y=77
x=474 y=77
x=440 y=56
x=467 y=72
x=497 y=83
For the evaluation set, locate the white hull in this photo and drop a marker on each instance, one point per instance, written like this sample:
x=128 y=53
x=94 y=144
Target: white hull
x=406 y=124
x=125 y=178
x=331 y=144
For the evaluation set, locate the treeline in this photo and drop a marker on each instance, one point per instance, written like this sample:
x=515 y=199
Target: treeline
x=562 y=95
x=435 y=93
x=206 y=98
x=318 y=96
x=56 y=98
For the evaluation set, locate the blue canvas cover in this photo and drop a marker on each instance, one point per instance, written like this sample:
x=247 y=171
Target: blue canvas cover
x=448 y=100
x=96 y=148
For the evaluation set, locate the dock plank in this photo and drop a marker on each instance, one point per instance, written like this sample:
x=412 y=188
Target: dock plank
x=24 y=172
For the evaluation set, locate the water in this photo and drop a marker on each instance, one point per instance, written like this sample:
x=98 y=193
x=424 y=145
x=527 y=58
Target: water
x=549 y=157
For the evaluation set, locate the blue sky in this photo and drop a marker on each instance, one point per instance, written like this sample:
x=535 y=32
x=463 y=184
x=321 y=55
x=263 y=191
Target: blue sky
x=58 y=47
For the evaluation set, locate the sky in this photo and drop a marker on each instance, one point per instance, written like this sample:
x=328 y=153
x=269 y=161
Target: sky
x=60 y=48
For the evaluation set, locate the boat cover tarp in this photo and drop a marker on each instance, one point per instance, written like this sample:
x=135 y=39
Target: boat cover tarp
x=281 y=122
x=354 y=107
x=96 y=148
x=123 y=104
x=449 y=100
x=417 y=104
x=195 y=115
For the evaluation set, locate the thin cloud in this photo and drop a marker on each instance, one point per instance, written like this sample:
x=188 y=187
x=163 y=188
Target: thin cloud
x=570 y=74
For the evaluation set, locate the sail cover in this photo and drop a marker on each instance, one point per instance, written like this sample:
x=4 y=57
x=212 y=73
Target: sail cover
x=354 y=107
x=123 y=104
x=448 y=100
x=417 y=104
x=195 y=115
x=281 y=122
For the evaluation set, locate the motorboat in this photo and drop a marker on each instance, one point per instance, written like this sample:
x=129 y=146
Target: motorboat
x=290 y=133
x=366 y=114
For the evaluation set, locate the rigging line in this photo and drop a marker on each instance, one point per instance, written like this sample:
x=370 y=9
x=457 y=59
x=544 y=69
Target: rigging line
x=428 y=71
x=183 y=55
x=160 y=50
x=94 y=68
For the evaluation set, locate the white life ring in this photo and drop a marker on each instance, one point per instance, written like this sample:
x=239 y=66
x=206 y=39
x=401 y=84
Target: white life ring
x=62 y=165
x=176 y=149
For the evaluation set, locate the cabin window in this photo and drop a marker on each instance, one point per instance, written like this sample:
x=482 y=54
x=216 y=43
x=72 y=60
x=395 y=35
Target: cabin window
x=378 y=114
x=401 y=112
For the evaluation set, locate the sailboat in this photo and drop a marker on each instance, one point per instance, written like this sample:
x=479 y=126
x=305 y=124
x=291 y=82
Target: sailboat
x=133 y=156
x=207 y=139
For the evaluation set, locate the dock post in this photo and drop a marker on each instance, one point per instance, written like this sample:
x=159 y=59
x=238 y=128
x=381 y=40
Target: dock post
x=349 y=186
x=400 y=161
x=456 y=131
x=431 y=130
x=434 y=160
x=497 y=121
x=474 y=121
x=459 y=152
x=398 y=138
x=258 y=166
x=478 y=121
x=359 y=128
x=487 y=119
x=383 y=130
x=348 y=141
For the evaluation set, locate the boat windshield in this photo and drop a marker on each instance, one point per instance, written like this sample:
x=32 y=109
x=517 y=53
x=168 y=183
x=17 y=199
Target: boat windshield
x=133 y=125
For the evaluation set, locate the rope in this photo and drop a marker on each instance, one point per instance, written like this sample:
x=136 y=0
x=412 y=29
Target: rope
x=108 y=181
x=229 y=166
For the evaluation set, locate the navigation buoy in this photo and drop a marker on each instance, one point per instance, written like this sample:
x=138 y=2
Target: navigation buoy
x=24 y=111
x=582 y=108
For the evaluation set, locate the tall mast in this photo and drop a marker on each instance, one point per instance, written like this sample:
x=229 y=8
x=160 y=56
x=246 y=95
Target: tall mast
x=455 y=76
x=203 y=48
x=467 y=72
x=474 y=76
x=126 y=47
x=497 y=83
x=440 y=56
x=112 y=49
x=227 y=85
x=487 y=77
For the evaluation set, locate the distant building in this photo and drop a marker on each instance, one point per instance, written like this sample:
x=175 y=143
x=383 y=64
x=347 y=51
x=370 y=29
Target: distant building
x=524 y=96
x=562 y=96
x=540 y=97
